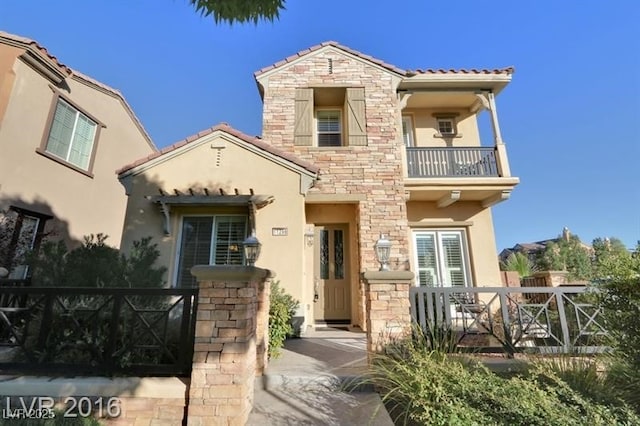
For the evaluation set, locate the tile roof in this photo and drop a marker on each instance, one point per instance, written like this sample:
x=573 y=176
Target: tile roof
x=37 y=48
x=27 y=43
x=390 y=67
x=223 y=127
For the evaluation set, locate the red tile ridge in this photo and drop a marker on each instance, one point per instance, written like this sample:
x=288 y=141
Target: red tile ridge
x=224 y=127
x=337 y=45
x=25 y=41
x=506 y=70
x=379 y=62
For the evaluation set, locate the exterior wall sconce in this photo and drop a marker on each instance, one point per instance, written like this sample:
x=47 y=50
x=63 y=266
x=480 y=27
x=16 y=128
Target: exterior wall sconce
x=251 y=249
x=308 y=238
x=383 y=252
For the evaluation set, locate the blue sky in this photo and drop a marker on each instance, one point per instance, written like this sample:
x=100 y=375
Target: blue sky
x=570 y=117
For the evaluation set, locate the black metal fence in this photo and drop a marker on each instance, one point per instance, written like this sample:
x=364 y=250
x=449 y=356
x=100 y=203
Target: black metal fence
x=97 y=331
x=514 y=319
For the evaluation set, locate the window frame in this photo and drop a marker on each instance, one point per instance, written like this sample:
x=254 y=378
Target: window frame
x=407 y=119
x=42 y=149
x=317 y=133
x=212 y=239
x=450 y=118
x=440 y=263
x=34 y=244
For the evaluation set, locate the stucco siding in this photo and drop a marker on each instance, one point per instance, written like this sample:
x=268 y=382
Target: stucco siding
x=217 y=163
x=80 y=204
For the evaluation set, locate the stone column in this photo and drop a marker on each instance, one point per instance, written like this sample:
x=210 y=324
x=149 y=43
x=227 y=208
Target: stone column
x=388 y=307
x=224 y=358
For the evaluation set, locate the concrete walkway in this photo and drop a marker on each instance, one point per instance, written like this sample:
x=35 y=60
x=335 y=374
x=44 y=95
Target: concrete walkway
x=306 y=385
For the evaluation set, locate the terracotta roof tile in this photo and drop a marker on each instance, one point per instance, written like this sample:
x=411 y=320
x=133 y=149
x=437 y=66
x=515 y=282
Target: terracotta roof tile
x=42 y=50
x=390 y=67
x=224 y=127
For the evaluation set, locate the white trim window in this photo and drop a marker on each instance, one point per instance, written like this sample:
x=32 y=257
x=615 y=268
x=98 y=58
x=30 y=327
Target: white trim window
x=447 y=126
x=407 y=130
x=441 y=258
x=72 y=135
x=209 y=240
x=329 y=127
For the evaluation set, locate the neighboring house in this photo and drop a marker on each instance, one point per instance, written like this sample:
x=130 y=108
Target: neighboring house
x=352 y=148
x=532 y=250
x=62 y=136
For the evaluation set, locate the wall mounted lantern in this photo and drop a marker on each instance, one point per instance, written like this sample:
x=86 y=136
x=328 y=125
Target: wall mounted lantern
x=251 y=249
x=308 y=238
x=383 y=252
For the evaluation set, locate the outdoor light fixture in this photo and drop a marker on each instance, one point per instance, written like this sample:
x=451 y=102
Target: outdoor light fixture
x=308 y=237
x=251 y=249
x=383 y=252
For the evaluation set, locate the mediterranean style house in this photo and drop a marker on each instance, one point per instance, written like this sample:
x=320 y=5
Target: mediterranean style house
x=62 y=136
x=352 y=148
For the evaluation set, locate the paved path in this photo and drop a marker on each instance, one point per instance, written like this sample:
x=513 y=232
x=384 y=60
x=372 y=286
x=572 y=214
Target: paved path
x=305 y=386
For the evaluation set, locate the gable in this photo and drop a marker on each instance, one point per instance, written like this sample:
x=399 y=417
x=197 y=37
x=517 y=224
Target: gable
x=217 y=162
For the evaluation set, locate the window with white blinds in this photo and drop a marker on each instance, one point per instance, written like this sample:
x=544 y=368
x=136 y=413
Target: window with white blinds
x=71 y=136
x=329 y=128
x=440 y=258
x=209 y=240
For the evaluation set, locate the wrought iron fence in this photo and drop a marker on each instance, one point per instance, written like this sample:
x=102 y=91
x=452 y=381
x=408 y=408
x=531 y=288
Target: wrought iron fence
x=97 y=331
x=451 y=162
x=508 y=319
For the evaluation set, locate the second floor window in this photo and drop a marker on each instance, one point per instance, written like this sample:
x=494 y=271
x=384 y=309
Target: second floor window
x=329 y=127
x=446 y=126
x=71 y=136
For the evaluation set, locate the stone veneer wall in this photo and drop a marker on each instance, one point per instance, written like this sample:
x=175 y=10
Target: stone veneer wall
x=375 y=170
x=388 y=313
x=225 y=355
x=139 y=401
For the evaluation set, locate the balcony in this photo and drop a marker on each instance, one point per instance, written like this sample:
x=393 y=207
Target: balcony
x=452 y=162
x=452 y=174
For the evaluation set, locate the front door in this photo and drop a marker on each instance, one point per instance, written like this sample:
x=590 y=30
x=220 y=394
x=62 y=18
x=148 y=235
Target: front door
x=332 y=292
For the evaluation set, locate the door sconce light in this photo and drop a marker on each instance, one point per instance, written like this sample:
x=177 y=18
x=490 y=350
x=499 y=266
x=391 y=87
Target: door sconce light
x=383 y=252
x=308 y=238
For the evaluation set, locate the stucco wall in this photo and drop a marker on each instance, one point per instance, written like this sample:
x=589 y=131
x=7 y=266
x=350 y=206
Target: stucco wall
x=80 y=204
x=198 y=166
x=426 y=128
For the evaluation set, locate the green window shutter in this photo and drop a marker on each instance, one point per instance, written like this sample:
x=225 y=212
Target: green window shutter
x=355 y=113
x=303 y=125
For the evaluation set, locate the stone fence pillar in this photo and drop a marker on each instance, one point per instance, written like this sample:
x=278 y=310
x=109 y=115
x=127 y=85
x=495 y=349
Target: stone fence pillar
x=225 y=354
x=388 y=312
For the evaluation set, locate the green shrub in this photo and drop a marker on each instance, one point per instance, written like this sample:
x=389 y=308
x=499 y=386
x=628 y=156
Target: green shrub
x=421 y=386
x=620 y=300
x=282 y=307
x=96 y=264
